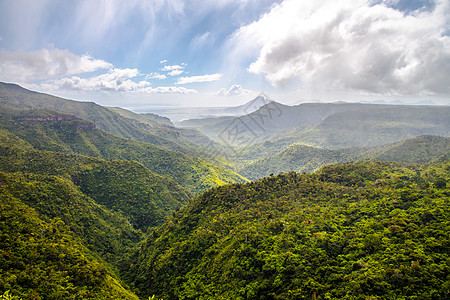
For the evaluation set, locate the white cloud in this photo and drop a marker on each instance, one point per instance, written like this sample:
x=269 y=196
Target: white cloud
x=351 y=45
x=167 y=90
x=171 y=68
x=163 y=61
x=234 y=90
x=114 y=80
x=155 y=76
x=45 y=64
x=201 y=78
x=201 y=40
x=175 y=72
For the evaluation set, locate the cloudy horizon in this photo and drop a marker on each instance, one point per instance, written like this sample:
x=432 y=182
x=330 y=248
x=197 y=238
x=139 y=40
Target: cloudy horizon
x=224 y=53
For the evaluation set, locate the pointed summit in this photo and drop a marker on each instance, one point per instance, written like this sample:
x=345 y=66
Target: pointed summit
x=265 y=96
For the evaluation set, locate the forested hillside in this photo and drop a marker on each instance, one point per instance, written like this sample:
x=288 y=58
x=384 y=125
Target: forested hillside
x=120 y=185
x=353 y=231
x=67 y=219
x=40 y=256
x=75 y=199
x=53 y=131
x=302 y=158
x=224 y=150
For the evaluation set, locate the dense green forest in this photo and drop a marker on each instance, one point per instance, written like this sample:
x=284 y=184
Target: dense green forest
x=369 y=230
x=85 y=197
x=125 y=186
x=52 y=239
x=104 y=203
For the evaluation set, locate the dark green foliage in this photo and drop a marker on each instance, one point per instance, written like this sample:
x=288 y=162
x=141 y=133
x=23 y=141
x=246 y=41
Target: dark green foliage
x=74 y=201
x=64 y=170
x=130 y=188
x=353 y=231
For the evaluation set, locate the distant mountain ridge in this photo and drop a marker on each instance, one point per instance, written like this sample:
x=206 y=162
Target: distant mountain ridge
x=271 y=118
x=181 y=114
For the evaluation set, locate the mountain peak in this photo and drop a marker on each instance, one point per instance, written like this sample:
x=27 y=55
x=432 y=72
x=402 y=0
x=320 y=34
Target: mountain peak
x=264 y=96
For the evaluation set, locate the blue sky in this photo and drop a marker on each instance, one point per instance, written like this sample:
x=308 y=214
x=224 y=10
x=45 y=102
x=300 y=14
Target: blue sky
x=225 y=52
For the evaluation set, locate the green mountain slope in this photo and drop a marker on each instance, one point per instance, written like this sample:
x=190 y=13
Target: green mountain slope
x=422 y=149
x=352 y=231
x=119 y=122
x=52 y=131
x=147 y=118
x=192 y=142
x=45 y=224
x=302 y=158
x=100 y=229
x=299 y=158
x=144 y=197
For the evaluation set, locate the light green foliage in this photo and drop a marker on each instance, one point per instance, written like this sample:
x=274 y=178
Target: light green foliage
x=75 y=201
x=7 y=296
x=123 y=186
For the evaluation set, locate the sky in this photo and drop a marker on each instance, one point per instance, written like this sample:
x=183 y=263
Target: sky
x=141 y=54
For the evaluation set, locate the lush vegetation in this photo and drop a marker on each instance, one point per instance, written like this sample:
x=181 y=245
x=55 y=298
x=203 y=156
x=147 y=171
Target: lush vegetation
x=48 y=238
x=85 y=197
x=353 y=231
x=53 y=131
x=94 y=204
x=302 y=158
x=123 y=186
x=67 y=219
